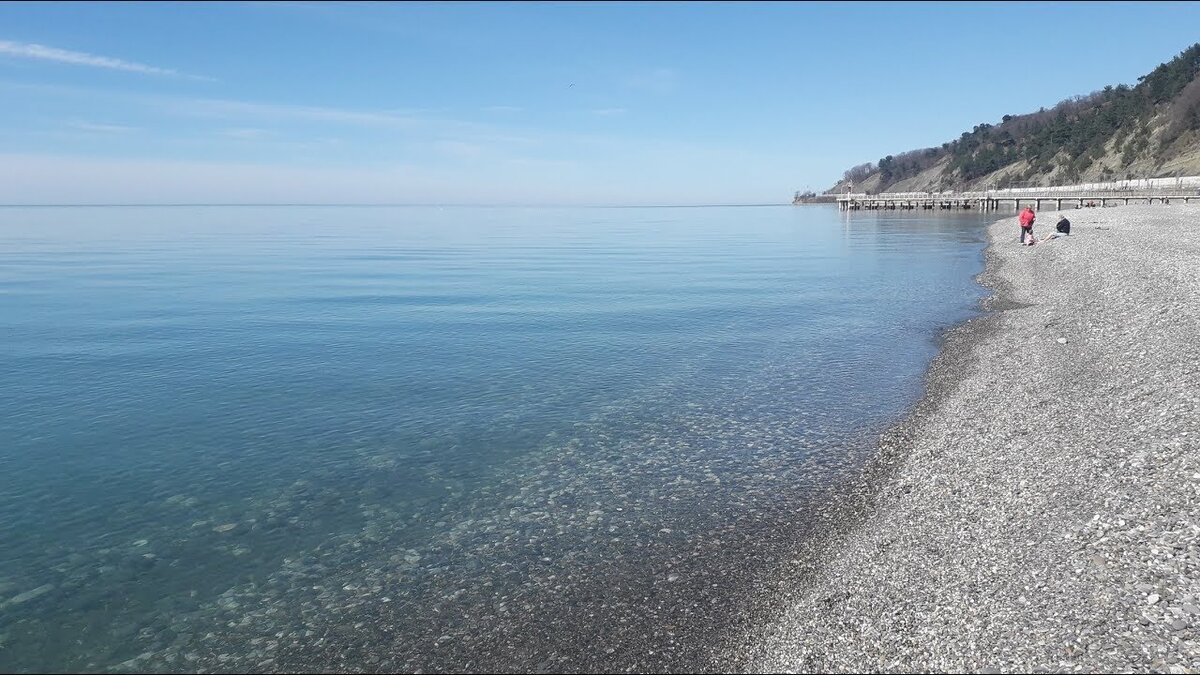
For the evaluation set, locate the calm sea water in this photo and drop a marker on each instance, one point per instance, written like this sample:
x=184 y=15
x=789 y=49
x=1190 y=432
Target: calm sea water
x=376 y=438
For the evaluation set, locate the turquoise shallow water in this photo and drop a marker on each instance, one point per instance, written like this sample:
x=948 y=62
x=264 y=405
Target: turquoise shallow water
x=434 y=438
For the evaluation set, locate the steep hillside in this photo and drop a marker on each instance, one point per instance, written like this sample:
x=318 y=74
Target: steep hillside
x=1149 y=130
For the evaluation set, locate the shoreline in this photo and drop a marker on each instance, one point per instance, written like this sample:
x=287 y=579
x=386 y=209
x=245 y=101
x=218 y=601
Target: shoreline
x=998 y=526
x=590 y=551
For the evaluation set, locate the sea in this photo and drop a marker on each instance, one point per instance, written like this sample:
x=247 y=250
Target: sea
x=423 y=438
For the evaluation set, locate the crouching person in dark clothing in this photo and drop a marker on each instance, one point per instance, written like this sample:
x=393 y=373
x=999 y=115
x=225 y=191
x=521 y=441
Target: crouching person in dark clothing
x=1061 y=229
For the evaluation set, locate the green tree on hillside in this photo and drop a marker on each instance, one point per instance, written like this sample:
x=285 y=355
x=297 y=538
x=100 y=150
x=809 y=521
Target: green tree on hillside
x=1072 y=135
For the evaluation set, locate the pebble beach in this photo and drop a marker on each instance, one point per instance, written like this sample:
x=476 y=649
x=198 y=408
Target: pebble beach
x=1039 y=510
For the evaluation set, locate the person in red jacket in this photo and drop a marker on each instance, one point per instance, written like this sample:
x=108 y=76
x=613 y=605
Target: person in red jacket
x=1026 y=220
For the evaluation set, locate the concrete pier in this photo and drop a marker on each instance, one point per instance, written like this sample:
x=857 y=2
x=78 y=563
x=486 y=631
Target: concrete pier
x=994 y=200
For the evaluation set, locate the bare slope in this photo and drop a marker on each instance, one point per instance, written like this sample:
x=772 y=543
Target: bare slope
x=1148 y=130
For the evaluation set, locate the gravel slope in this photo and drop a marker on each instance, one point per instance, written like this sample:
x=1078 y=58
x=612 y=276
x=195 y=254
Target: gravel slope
x=1040 y=510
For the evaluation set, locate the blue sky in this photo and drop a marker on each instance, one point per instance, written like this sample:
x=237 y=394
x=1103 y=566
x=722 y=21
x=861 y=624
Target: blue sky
x=527 y=103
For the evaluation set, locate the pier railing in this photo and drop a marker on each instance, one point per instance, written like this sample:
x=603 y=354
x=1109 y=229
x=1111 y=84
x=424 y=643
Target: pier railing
x=991 y=200
x=1162 y=190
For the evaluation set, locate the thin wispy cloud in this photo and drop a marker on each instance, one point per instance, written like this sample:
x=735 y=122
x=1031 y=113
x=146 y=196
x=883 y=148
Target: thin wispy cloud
x=101 y=128
x=245 y=134
x=656 y=80
x=250 y=114
x=240 y=128
x=609 y=112
x=502 y=109
x=29 y=50
x=237 y=109
x=460 y=149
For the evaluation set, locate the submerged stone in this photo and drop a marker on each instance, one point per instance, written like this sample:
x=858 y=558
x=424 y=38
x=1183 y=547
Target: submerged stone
x=28 y=595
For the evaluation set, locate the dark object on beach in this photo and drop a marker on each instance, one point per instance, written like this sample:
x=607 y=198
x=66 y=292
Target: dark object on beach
x=1063 y=225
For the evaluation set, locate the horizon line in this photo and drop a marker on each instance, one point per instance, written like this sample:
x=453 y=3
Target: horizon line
x=376 y=204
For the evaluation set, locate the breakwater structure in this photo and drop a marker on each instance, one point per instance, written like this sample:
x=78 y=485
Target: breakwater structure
x=1146 y=191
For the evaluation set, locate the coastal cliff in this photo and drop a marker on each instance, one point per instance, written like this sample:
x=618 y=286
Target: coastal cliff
x=1148 y=130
